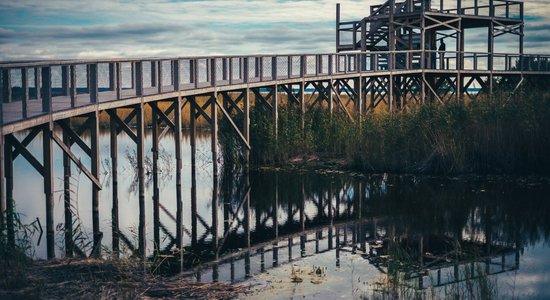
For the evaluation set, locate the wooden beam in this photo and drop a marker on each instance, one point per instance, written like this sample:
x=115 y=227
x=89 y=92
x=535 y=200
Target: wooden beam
x=161 y=114
x=75 y=137
x=21 y=149
x=122 y=125
x=228 y=117
x=48 y=189
x=141 y=179
x=76 y=160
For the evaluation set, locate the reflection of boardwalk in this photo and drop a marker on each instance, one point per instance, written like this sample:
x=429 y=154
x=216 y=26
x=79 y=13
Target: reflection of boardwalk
x=356 y=237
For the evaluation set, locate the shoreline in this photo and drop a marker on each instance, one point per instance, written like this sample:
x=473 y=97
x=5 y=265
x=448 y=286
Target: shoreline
x=109 y=279
x=328 y=165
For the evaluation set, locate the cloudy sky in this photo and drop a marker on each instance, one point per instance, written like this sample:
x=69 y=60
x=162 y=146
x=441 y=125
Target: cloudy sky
x=40 y=29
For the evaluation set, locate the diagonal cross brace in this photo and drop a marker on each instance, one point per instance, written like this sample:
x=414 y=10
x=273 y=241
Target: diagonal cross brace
x=25 y=153
x=77 y=161
x=123 y=126
x=243 y=139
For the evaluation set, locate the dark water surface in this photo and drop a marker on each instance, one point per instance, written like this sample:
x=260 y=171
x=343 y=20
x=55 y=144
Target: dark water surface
x=323 y=235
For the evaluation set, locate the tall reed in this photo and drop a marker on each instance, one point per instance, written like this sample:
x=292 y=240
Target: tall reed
x=483 y=136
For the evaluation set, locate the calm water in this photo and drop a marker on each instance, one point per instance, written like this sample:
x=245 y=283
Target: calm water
x=330 y=235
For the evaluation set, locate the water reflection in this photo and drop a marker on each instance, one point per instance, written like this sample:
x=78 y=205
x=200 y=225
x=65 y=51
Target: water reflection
x=431 y=232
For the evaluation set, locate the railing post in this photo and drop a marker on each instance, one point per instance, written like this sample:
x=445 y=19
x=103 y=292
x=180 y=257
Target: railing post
x=491 y=8
x=195 y=72
x=302 y=66
x=317 y=65
x=93 y=83
x=6 y=86
x=176 y=74
x=260 y=67
x=245 y=69
x=65 y=80
x=330 y=64
x=138 y=66
x=159 y=76
x=212 y=71
x=25 y=87
x=256 y=67
x=112 y=75
x=153 y=73
x=230 y=74
x=46 y=90
x=274 y=68
x=73 y=92
x=118 y=80
x=289 y=67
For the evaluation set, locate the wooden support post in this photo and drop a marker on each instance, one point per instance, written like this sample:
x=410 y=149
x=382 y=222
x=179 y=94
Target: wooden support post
x=156 y=196
x=48 y=186
x=141 y=178
x=275 y=215
x=303 y=107
x=2 y=172
x=247 y=210
x=275 y=112
x=67 y=197
x=94 y=146
x=247 y=124
x=391 y=93
x=114 y=176
x=491 y=44
x=338 y=27
x=193 y=129
x=360 y=97
x=193 y=202
x=214 y=132
x=179 y=197
x=8 y=173
x=329 y=96
x=215 y=204
x=2 y=175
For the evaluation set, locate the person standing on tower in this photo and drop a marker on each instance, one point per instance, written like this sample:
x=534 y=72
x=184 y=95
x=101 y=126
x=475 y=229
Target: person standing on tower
x=442 y=49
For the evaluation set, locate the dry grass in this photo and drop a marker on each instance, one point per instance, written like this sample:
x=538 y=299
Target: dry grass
x=99 y=279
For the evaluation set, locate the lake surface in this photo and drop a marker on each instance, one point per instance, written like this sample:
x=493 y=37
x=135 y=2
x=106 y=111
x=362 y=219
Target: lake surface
x=318 y=234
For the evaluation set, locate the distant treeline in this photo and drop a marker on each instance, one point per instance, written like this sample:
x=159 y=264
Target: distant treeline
x=500 y=135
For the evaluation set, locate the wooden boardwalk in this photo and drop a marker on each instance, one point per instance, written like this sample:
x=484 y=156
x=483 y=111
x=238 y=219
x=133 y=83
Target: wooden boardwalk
x=389 y=59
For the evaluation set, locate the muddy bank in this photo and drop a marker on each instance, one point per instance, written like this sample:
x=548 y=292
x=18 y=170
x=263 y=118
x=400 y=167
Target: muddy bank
x=100 y=279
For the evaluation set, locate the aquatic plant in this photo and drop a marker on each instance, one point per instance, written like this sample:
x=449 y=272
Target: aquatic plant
x=487 y=135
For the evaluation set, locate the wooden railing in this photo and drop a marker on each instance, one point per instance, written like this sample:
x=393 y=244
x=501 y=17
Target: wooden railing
x=509 y=9
x=67 y=84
